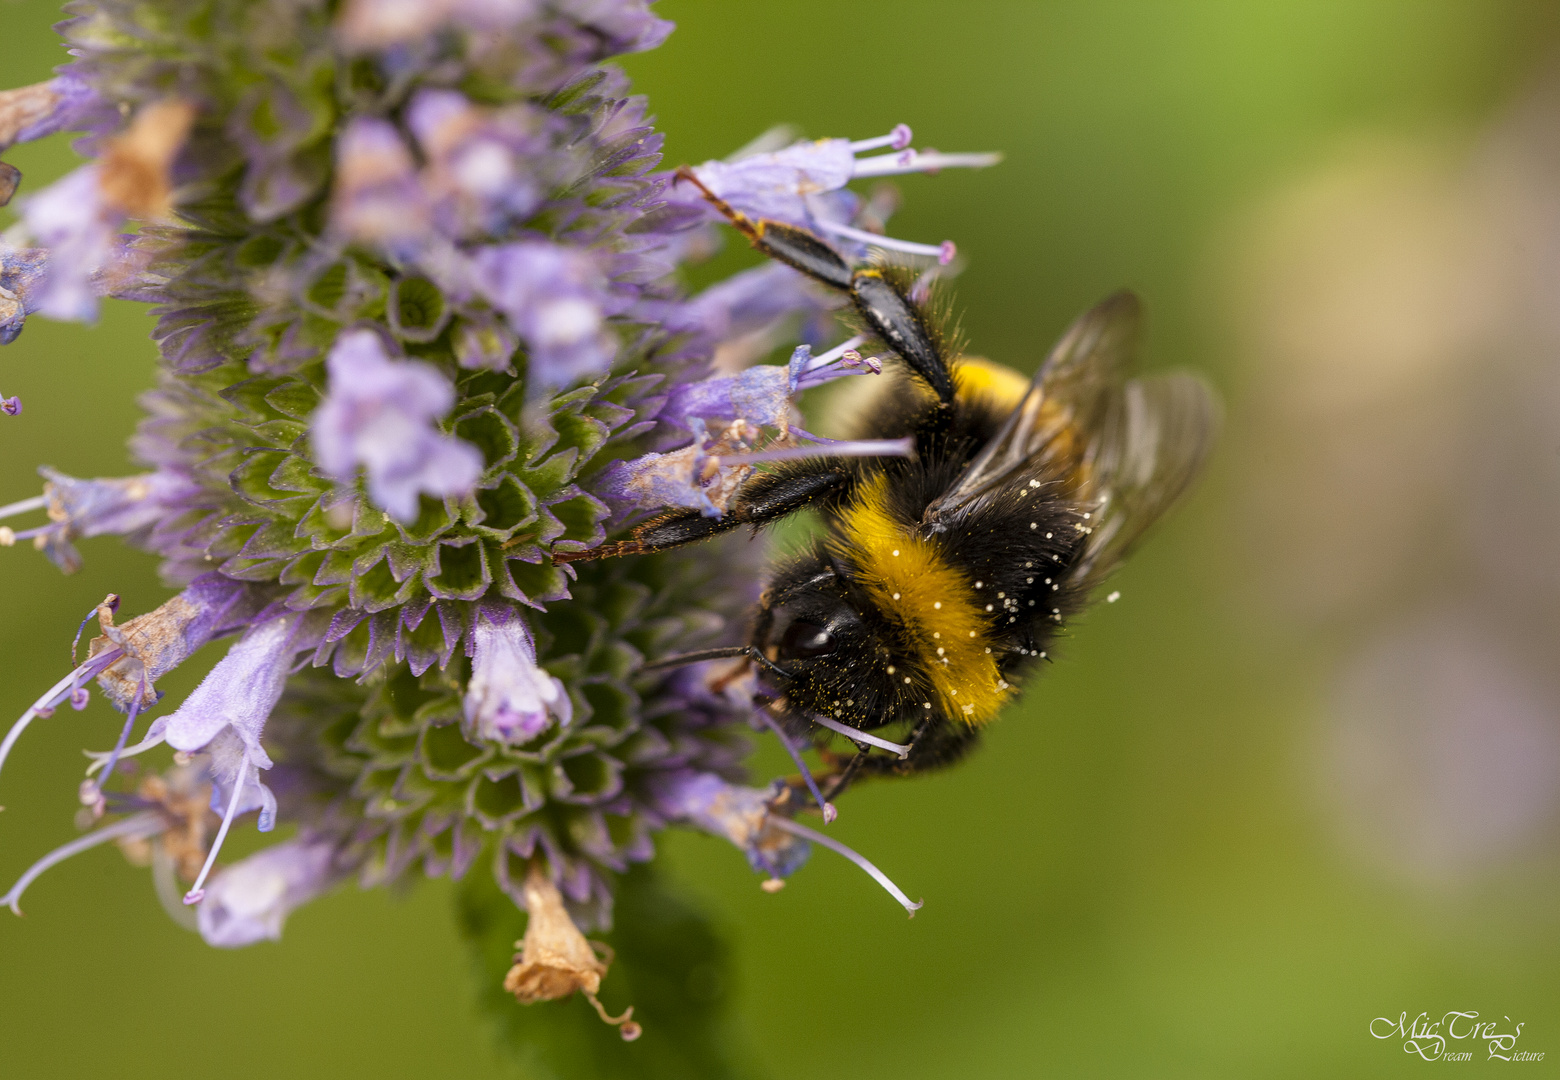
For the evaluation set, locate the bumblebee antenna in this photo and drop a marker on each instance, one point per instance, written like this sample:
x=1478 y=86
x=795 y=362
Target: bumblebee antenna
x=730 y=652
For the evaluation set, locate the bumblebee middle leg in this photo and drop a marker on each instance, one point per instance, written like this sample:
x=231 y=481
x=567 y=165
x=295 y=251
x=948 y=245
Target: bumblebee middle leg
x=764 y=498
x=882 y=304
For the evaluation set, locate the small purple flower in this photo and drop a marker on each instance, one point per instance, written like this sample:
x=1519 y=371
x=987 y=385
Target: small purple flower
x=64 y=103
x=747 y=303
x=23 y=271
x=377 y=198
x=483 y=165
x=225 y=716
x=78 y=508
x=554 y=297
x=509 y=698
x=11 y=406
x=765 y=394
x=380 y=413
x=740 y=814
x=706 y=473
x=803 y=183
x=250 y=900
x=72 y=220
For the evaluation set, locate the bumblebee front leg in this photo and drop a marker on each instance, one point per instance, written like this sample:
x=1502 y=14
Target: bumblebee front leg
x=882 y=304
x=795 y=247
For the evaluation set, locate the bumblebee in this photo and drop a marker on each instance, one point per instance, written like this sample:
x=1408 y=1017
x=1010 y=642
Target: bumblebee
x=940 y=581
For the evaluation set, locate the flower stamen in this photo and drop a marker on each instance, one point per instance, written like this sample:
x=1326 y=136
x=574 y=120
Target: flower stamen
x=897 y=139
x=787 y=825
x=139 y=826
x=943 y=252
x=827 y=809
x=196 y=893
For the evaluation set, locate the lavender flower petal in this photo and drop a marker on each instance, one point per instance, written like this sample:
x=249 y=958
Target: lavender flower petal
x=554 y=298
x=740 y=814
x=249 y=901
x=509 y=698
x=380 y=413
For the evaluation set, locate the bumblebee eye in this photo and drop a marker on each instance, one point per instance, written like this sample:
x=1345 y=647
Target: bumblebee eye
x=804 y=639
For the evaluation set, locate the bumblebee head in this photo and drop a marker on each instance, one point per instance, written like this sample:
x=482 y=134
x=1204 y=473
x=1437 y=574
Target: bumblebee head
x=827 y=654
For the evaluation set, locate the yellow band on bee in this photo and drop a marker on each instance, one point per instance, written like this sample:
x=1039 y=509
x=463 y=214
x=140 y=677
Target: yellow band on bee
x=933 y=601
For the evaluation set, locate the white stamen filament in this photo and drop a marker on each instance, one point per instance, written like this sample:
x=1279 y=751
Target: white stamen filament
x=24 y=506
x=787 y=825
x=899 y=138
x=196 y=893
x=56 y=694
x=835 y=353
x=124 y=737
x=911 y=161
x=825 y=808
x=139 y=826
x=100 y=757
x=862 y=737
x=943 y=252
x=827 y=448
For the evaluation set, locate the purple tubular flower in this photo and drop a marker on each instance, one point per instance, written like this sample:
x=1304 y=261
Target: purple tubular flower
x=554 y=297
x=71 y=219
x=740 y=814
x=105 y=506
x=748 y=302
x=802 y=184
x=64 y=103
x=693 y=477
x=380 y=413
x=705 y=474
x=486 y=168
x=509 y=698
x=250 y=900
x=11 y=406
x=764 y=395
x=225 y=716
x=377 y=197
x=128 y=660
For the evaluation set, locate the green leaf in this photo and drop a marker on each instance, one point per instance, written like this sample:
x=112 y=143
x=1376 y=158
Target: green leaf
x=670 y=965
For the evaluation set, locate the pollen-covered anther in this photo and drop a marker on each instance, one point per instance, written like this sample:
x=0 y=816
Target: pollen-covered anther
x=134 y=170
x=555 y=959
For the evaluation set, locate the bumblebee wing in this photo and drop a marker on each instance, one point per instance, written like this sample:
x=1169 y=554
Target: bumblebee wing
x=1152 y=438
x=1070 y=398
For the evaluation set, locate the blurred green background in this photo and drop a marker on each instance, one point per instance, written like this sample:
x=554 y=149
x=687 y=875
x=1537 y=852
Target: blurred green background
x=1302 y=775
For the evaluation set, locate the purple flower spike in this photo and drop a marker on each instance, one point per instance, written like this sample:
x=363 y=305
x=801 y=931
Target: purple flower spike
x=11 y=406
x=250 y=900
x=740 y=814
x=554 y=297
x=380 y=413
x=509 y=698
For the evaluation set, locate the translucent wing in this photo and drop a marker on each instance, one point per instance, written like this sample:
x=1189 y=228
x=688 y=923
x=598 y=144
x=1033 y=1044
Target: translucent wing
x=1068 y=399
x=1153 y=437
x=1128 y=449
